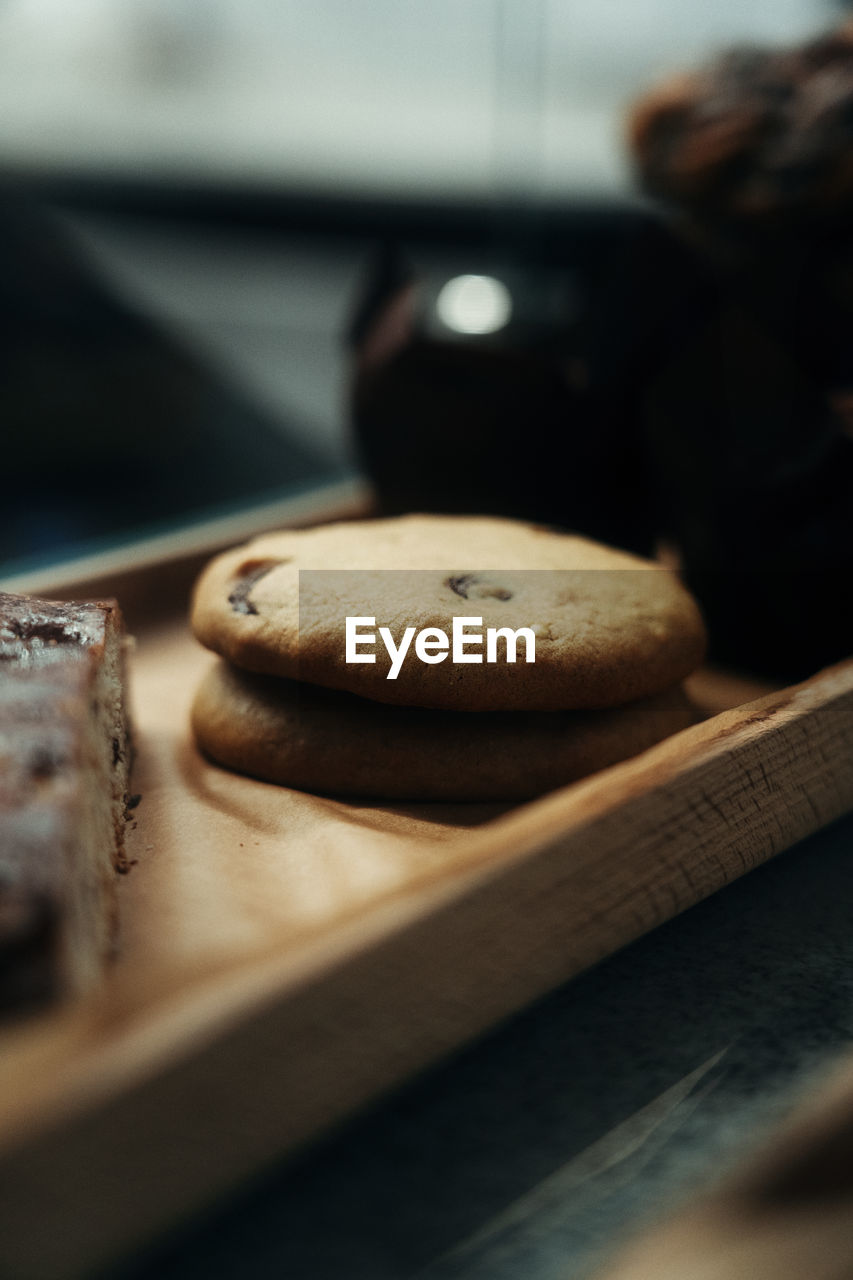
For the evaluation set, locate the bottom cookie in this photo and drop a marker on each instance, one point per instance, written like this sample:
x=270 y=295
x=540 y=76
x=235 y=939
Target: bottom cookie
x=334 y=743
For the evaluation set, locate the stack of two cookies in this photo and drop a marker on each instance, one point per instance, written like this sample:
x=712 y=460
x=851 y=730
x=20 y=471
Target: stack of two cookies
x=308 y=699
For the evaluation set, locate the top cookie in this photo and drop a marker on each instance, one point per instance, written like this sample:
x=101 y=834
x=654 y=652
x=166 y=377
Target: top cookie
x=608 y=627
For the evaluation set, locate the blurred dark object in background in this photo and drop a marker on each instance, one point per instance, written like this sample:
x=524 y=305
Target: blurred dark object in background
x=755 y=473
x=531 y=419
x=679 y=399
x=753 y=155
x=711 y=366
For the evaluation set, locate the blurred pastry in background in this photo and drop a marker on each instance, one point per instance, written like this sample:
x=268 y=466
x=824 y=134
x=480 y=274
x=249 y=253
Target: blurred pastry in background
x=676 y=377
x=745 y=416
x=758 y=140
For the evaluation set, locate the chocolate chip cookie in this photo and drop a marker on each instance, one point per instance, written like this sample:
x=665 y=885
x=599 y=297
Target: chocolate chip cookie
x=607 y=627
x=322 y=740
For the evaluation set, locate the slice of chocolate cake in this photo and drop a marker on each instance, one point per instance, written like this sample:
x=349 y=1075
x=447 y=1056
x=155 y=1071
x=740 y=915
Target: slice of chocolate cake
x=64 y=761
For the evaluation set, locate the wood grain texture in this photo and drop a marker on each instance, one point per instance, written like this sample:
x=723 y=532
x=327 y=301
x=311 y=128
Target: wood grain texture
x=287 y=958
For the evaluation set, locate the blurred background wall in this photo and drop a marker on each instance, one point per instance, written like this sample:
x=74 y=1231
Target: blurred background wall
x=397 y=98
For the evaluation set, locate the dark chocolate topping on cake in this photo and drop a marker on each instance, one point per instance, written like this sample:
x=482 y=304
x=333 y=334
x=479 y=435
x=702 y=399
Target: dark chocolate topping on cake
x=38 y=632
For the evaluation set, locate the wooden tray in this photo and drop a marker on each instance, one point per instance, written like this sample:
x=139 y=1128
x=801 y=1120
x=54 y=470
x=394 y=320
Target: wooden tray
x=287 y=958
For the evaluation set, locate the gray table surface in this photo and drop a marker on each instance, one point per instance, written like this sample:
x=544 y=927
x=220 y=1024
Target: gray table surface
x=534 y=1151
